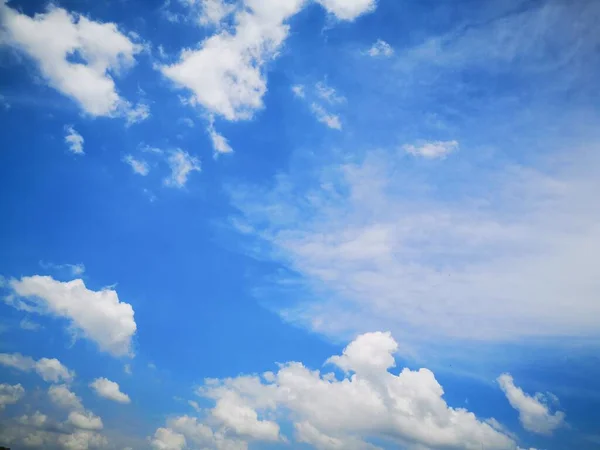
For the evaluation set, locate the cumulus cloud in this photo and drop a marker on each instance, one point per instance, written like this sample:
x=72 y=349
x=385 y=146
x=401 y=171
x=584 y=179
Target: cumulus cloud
x=51 y=370
x=102 y=48
x=404 y=408
x=182 y=164
x=136 y=114
x=226 y=73
x=74 y=140
x=381 y=49
x=534 y=412
x=138 y=166
x=432 y=150
x=110 y=390
x=85 y=420
x=348 y=9
x=10 y=394
x=98 y=315
x=73 y=269
x=62 y=396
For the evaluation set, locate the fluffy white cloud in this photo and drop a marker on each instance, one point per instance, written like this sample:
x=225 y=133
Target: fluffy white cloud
x=10 y=394
x=110 y=390
x=74 y=140
x=219 y=142
x=186 y=432
x=167 y=439
x=226 y=73
x=329 y=412
x=99 y=315
x=329 y=119
x=73 y=269
x=534 y=412
x=136 y=114
x=381 y=48
x=348 y=9
x=52 y=38
x=138 y=166
x=85 y=420
x=432 y=150
x=299 y=90
x=62 y=396
x=182 y=164
x=51 y=370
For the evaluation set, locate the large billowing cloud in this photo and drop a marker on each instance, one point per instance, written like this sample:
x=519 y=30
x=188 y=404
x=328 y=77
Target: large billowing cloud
x=330 y=411
x=98 y=315
x=534 y=412
x=53 y=38
x=226 y=73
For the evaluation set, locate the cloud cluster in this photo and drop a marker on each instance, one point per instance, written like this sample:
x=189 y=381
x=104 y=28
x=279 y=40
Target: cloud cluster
x=182 y=164
x=51 y=370
x=10 y=394
x=98 y=315
x=54 y=38
x=331 y=412
x=226 y=73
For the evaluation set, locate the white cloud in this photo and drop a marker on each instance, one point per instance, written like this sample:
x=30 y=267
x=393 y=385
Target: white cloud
x=138 y=114
x=51 y=370
x=181 y=164
x=167 y=439
x=10 y=394
x=432 y=150
x=327 y=93
x=99 y=315
x=329 y=119
x=29 y=325
x=74 y=269
x=138 y=166
x=381 y=48
x=495 y=255
x=74 y=140
x=534 y=412
x=85 y=420
x=187 y=122
x=63 y=397
x=219 y=142
x=127 y=369
x=110 y=390
x=194 y=405
x=186 y=432
x=299 y=91
x=50 y=39
x=405 y=408
x=212 y=12
x=348 y=9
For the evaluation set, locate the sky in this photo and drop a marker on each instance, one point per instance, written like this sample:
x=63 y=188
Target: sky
x=299 y=224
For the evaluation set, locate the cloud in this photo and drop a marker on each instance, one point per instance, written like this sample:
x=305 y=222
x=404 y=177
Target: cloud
x=348 y=9
x=28 y=325
x=331 y=120
x=51 y=370
x=64 y=398
x=432 y=150
x=138 y=166
x=328 y=94
x=167 y=439
x=212 y=12
x=100 y=47
x=109 y=390
x=74 y=140
x=299 y=90
x=136 y=115
x=226 y=73
x=534 y=412
x=10 y=394
x=381 y=49
x=98 y=315
x=219 y=142
x=367 y=242
x=85 y=421
x=74 y=269
x=182 y=165
x=404 y=408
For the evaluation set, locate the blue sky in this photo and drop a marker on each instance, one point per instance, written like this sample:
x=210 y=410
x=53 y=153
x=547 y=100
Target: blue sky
x=326 y=224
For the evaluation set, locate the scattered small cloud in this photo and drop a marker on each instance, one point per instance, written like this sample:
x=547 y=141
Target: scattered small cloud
x=51 y=370
x=182 y=164
x=194 y=405
x=109 y=390
x=432 y=149
x=298 y=90
x=329 y=119
x=219 y=142
x=534 y=412
x=149 y=149
x=74 y=140
x=10 y=394
x=328 y=94
x=75 y=270
x=187 y=122
x=29 y=325
x=138 y=166
x=138 y=114
x=127 y=369
x=381 y=49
